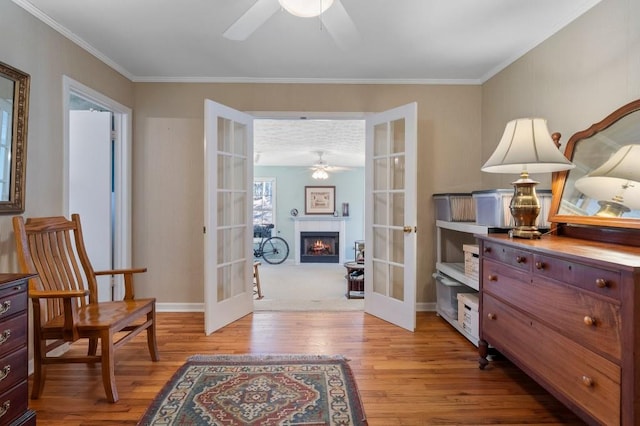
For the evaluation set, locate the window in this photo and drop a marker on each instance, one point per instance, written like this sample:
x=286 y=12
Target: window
x=264 y=201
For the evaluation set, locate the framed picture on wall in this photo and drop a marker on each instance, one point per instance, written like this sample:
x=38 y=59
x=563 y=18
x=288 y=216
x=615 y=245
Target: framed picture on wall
x=319 y=199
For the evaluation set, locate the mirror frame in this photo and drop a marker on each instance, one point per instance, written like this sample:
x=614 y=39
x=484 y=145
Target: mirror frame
x=21 y=80
x=560 y=178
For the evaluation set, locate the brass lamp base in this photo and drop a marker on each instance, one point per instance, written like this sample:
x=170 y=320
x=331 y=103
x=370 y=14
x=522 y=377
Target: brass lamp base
x=525 y=208
x=611 y=209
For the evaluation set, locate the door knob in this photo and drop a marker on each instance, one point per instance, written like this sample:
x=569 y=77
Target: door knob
x=408 y=229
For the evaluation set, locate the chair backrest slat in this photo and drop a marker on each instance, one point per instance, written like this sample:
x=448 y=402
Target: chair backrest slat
x=52 y=248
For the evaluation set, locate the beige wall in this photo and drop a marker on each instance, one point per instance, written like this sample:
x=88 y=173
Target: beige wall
x=34 y=48
x=169 y=167
x=574 y=79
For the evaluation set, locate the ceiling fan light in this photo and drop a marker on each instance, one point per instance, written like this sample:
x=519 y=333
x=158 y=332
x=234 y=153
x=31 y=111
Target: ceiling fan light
x=320 y=174
x=306 y=8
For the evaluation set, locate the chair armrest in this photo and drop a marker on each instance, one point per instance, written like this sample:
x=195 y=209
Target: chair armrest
x=129 y=294
x=57 y=294
x=70 y=331
x=121 y=271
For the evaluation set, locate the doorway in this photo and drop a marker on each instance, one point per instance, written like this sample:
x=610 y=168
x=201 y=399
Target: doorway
x=97 y=134
x=289 y=148
x=391 y=138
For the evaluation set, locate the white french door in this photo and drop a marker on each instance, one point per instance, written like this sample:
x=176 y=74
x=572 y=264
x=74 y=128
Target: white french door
x=228 y=147
x=390 y=215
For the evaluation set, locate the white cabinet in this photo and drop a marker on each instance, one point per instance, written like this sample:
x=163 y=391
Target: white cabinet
x=450 y=270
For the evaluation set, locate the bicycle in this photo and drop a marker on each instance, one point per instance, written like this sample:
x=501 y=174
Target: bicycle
x=273 y=250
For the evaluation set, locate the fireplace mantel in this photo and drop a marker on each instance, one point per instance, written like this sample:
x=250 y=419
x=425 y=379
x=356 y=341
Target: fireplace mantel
x=321 y=224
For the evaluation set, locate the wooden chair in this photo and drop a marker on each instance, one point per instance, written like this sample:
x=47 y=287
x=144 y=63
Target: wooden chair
x=257 y=290
x=65 y=300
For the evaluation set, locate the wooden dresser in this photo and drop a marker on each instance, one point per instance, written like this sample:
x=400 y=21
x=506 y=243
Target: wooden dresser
x=14 y=357
x=567 y=312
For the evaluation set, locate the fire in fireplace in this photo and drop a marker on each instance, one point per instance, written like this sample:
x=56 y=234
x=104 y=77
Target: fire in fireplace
x=319 y=247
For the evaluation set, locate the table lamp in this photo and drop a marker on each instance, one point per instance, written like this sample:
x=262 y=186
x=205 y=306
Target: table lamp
x=616 y=183
x=526 y=147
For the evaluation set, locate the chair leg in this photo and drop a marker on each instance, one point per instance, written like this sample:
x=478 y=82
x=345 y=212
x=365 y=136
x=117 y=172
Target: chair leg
x=39 y=369
x=93 y=347
x=256 y=281
x=151 y=335
x=108 y=366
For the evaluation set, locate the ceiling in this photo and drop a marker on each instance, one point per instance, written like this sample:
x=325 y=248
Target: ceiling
x=398 y=41
x=297 y=142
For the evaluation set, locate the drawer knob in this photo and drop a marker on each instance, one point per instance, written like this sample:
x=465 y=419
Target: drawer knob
x=588 y=320
x=587 y=381
x=521 y=259
x=5 y=336
x=491 y=316
x=6 y=305
x=487 y=249
x=602 y=283
x=492 y=277
x=5 y=372
x=540 y=265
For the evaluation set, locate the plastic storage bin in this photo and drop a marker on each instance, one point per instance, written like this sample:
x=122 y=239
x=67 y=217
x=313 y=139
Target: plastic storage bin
x=447 y=290
x=455 y=207
x=492 y=207
x=468 y=313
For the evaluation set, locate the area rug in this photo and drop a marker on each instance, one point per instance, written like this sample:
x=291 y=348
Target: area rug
x=259 y=390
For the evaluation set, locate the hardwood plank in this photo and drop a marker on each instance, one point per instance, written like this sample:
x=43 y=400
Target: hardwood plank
x=422 y=378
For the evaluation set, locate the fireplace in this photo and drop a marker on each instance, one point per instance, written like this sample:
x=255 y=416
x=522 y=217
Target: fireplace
x=315 y=224
x=319 y=247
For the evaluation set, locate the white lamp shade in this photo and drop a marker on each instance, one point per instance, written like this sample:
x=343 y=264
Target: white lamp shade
x=306 y=8
x=526 y=145
x=617 y=179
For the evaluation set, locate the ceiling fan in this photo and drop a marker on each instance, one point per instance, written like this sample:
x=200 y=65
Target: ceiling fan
x=321 y=169
x=332 y=14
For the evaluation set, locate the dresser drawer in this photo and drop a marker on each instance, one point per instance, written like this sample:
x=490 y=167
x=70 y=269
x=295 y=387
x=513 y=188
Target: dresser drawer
x=594 y=322
x=13 y=333
x=13 y=300
x=13 y=403
x=561 y=364
x=601 y=281
x=511 y=256
x=13 y=369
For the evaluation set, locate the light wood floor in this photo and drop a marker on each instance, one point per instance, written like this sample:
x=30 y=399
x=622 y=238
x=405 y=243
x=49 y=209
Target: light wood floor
x=428 y=377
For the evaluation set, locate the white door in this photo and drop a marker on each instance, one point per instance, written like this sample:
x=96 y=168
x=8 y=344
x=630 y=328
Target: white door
x=90 y=188
x=390 y=215
x=228 y=147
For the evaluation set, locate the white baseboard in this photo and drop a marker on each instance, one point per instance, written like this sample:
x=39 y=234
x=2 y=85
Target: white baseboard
x=179 y=307
x=426 y=307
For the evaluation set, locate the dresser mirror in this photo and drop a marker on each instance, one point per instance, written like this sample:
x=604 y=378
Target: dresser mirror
x=14 y=113
x=603 y=190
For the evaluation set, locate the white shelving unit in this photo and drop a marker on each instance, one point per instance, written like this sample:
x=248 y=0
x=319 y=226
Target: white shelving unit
x=454 y=268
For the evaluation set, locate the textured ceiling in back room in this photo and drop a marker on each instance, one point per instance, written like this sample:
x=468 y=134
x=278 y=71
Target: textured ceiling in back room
x=297 y=142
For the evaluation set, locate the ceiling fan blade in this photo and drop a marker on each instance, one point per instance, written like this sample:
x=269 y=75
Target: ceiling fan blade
x=339 y=24
x=252 y=19
x=338 y=169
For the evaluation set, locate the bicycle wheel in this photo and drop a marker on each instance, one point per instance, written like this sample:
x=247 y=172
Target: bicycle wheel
x=275 y=250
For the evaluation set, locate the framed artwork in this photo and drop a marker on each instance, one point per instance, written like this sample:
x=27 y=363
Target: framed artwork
x=319 y=199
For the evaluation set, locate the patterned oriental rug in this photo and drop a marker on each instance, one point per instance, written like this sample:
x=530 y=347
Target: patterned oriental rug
x=260 y=390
